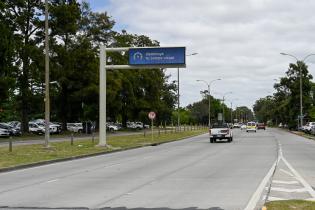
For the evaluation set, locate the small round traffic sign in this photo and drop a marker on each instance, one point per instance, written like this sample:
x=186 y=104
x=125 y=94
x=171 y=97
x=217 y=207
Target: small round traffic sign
x=152 y=115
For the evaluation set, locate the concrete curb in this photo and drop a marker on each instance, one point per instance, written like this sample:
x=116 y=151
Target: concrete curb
x=304 y=136
x=47 y=162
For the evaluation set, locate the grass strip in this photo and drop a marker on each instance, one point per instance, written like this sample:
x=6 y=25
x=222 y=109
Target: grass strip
x=291 y=205
x=28 y=154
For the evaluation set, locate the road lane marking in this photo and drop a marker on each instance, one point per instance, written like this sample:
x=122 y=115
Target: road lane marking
x=286 y=172
x=299 y=178
x=53 y=180
x=284 y=182
x=281 y=189
x=256 y=196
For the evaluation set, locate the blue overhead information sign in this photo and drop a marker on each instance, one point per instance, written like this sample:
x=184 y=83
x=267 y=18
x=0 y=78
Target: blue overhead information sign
x=158 y=56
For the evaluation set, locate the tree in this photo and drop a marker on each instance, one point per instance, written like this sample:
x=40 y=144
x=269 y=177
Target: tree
x=288 y=90
x=264 y=109
x=25 y=21
x=6 y=56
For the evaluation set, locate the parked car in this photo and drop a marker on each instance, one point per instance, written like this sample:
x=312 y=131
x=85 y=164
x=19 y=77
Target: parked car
x=35 y=128
x=308 y=127
x=133 y=125
x=111 y=127
x=4 y=132
x=12 y=130
x=53 y=128
x=219 y=132
x=261 y=126
x=75 y=127
x=251 y=126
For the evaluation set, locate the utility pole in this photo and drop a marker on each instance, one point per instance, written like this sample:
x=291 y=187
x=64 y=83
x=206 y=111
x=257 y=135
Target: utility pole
x=178 y=117
x=299 y=64
x=209 y=97
x=47 y=98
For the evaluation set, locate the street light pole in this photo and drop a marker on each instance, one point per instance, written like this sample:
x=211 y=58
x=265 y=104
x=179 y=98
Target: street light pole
x=47 y=99
x=178 y=117
x=223 y=104
x=209 y=98
x=301 y=87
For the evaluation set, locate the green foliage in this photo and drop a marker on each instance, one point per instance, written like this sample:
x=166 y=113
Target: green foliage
x=284 y=106
x=75 y=36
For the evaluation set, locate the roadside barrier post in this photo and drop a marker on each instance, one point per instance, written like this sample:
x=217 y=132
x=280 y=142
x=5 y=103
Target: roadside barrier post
x=164 y=127
x=71 y=139
x=10 y=144
x=93 y=137
x=152 y=130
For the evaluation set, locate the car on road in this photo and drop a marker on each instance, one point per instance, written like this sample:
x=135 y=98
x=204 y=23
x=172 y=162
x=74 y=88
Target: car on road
x=251 y=126
x=236 y=125
x=219 y=132
x=243 y=126
x=261 y=126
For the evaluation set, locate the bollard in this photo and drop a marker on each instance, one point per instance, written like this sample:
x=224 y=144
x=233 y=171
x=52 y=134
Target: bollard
x=71 y=139
x=159 y=130
x=10 y=144
x=93 y=137
x=164 y=127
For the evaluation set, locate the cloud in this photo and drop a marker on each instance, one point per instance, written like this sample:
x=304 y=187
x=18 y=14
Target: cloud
x=238 y=41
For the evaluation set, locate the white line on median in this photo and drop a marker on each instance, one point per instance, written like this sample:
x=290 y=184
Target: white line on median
x=281 y=189
x=286 y=172
x=271 y=198
x=285 y=182
x=299 y=178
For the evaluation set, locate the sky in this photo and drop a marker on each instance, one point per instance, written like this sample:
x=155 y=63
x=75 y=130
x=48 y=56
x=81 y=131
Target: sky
x=237 y=41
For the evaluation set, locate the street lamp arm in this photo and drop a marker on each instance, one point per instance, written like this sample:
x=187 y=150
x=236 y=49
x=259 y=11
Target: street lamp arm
x=192 y=54
x=308 y=56
x=200 y=80
x=290 y=56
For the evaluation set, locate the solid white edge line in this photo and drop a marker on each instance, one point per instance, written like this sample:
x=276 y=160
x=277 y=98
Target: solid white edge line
x=299 y=177
x=255 y=197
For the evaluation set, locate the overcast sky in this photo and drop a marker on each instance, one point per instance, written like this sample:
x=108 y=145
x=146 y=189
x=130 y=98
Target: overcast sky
x=237 y=41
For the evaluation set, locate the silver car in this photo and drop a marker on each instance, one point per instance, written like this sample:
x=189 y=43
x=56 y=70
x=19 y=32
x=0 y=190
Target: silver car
x=4 y=133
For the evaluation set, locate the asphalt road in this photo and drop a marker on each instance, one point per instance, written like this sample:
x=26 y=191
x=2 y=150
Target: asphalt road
x=188 y=174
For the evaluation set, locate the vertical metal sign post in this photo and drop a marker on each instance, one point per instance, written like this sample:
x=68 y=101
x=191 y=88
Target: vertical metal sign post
x=152 y=116
x=139 y=58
